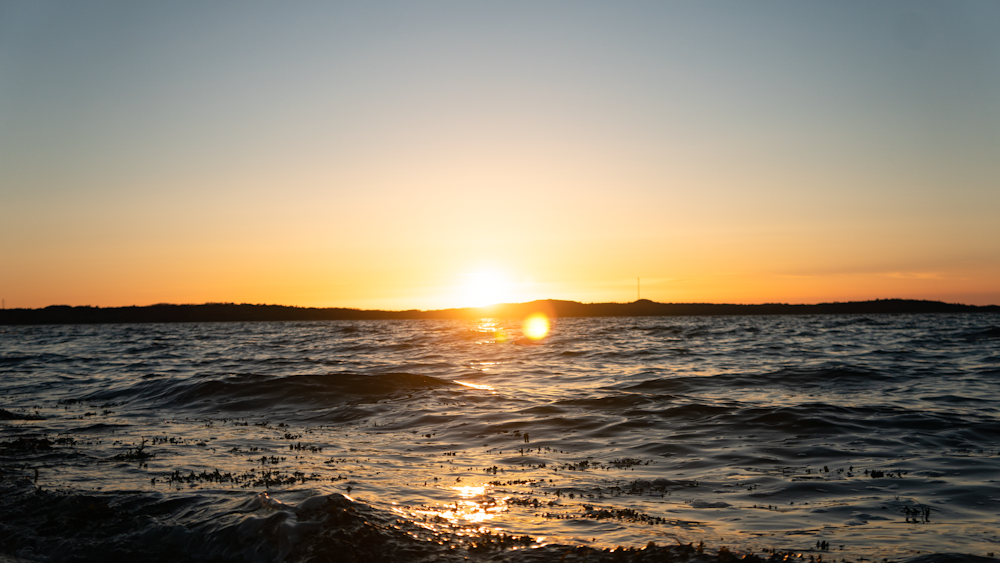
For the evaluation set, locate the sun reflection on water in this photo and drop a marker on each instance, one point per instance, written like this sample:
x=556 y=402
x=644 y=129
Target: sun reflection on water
x=487 y=325
x=470 y=491
x=493 y=328
x=473 y=506
x=476 y=385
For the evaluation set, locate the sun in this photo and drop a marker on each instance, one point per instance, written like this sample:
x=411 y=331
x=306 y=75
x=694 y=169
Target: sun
x=486 y=288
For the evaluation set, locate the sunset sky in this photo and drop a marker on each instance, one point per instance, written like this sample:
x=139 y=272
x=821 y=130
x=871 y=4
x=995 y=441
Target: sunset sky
x=438 y=154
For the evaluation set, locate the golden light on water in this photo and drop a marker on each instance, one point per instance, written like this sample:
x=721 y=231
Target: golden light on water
x=491 y=327
x=536 y=326
x=475 y=385
x=473 y=507
x=470 y=491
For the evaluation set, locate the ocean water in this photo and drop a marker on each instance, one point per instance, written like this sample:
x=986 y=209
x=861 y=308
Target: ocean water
x=843 y=437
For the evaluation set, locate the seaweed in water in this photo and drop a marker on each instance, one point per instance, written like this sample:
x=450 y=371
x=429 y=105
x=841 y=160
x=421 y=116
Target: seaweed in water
x=7 y=415
x=138 y=454
x=917 y=514
x=28 y=444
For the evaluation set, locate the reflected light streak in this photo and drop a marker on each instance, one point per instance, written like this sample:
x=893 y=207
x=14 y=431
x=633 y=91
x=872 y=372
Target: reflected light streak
x=488 y=325
x=492 y=326
x=474 y=507
x=469 y=491
x=476 y=386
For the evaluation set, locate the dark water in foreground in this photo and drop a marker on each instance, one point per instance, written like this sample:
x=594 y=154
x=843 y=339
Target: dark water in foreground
x=877 y=435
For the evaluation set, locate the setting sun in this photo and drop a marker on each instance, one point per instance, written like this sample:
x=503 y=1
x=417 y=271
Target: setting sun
x=486 y=288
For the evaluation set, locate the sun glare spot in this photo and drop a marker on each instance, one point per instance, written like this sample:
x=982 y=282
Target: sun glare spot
x=536 y=326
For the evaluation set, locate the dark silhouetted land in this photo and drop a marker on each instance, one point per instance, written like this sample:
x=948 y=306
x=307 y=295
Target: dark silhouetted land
x=229 y=312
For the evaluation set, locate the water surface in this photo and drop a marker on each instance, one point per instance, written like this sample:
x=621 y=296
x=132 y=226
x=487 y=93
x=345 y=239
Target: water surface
x=878 y=435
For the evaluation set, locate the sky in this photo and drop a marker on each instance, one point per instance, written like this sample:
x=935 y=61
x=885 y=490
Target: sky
x=426 y=155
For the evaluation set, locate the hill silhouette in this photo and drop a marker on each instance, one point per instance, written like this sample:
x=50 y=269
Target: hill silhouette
x=231 y=312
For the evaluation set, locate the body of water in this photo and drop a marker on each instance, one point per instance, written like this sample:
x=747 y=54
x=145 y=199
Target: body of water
x=841 y=437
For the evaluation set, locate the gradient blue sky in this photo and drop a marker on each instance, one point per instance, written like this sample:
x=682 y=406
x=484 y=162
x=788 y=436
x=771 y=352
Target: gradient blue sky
x=426 y=155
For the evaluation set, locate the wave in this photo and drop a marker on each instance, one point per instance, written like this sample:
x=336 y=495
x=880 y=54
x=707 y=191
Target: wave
x=7 y=415
x=816 y=377
x=989 y=332
x=796 y=378
x=955 y=399
x=46 y=358
x=660 y=329
x=858 y=321
x=615 y=402
x=255 y=392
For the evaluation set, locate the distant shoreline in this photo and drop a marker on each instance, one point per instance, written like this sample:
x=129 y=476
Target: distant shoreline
x=231 y=312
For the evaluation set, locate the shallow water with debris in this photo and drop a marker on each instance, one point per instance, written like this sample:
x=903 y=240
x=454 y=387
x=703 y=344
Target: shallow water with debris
x=841 y=437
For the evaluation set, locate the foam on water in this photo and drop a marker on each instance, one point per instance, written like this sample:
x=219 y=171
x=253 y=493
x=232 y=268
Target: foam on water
x=877 y=436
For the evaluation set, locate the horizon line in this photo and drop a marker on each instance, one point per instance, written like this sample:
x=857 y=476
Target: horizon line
x=471 y=307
